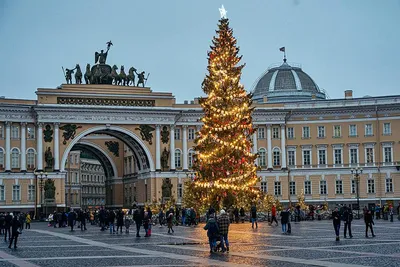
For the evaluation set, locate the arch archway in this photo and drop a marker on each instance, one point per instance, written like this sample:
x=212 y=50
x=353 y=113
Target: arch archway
x=139 y=148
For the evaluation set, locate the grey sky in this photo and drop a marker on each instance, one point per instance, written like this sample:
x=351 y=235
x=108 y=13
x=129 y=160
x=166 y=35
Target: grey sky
x=340 y=44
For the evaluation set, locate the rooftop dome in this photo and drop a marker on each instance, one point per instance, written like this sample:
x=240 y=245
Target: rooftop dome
x=286 y=83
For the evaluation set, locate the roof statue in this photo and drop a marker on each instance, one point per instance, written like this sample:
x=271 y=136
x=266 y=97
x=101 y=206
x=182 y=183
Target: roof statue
x=102 y=73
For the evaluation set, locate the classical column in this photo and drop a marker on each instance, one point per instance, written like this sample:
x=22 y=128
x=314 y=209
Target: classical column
x=23 y=146
x=172 y=147
x=158 y=148
x=56 y=147
x=255 y=149
x=8 y=146
x=283 y=146
x=269 y=147
x=39 y=147
x=184 y=147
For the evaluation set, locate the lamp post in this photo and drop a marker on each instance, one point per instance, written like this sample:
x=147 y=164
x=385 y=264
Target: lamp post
x=41 y=176
x=356 y=174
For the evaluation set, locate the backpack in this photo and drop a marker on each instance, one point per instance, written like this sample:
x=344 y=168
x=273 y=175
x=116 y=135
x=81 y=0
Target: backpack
x=213 y=229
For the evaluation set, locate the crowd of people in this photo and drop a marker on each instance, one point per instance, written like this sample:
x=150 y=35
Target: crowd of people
x=11 y=226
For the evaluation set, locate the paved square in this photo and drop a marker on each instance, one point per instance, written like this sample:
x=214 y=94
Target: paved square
x=311 y=244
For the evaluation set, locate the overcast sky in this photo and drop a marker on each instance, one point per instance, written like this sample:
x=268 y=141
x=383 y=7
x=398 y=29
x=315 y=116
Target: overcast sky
x=340 y=44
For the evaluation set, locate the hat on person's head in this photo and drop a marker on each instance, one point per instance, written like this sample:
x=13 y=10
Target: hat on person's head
x=222 y=212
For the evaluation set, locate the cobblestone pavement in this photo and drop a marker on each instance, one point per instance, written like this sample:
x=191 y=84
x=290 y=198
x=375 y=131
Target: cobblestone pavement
x=311 y=244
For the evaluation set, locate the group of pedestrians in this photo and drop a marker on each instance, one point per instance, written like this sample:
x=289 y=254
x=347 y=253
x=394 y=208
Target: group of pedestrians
x=12 y=225
x=217 y=230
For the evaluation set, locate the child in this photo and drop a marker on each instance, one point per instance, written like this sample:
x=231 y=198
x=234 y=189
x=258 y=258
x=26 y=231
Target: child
x=127 y=223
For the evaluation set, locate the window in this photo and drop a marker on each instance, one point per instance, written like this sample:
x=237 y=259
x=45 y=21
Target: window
x=290 y=133
x=264 y=187
x=277 y=189
x=337 y=131
x=30 y=155
x=353 y=155
x=386 y=129
x=261 y=133
x=321 y=131
x=191 y=134
x=353 y=186
x=177 y=158
x=261 y=157
x=31 y=132
x=306 y=157
x=15 y=158
x=14 y=132
x=2 y=193
x=31 y=192
x=371 y=186
x=180 y=190
x=292 y=188
x=353 y=130
x=191 y=158
x=275 y=132
x=389 y=185
x=277 y=157
x=16 y=196
x=76 y=159
x=339 y=187
x=322 y=187
x=1 y=157
x=388 y=154
x=307 y=187
x=177 y=134
x=368 y=130
x=130 y=165
x=76 y=177
x=306 y=132
x=291 y=158
x=369 y=154
x=321 y=156
x=338 y=156
x=1 y=131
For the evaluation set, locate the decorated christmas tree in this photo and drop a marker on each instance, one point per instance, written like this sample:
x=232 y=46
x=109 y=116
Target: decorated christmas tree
x=301 y=201
x=226 y=173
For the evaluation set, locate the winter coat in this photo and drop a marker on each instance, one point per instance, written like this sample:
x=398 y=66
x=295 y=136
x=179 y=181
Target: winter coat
x=28 y=218
x=212 y=228
x=336 y=217
x=15 y=225
x=253 y=212
x=368 y=219
x=137 y=217
x=284 y=217
x=120 y=218
x=223 y=224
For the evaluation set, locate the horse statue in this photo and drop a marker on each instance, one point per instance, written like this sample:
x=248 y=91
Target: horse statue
x=114 y=75
x=131 y=76
x=122 y=76
x=88 y=75
x=78 y=75
x=96 y=76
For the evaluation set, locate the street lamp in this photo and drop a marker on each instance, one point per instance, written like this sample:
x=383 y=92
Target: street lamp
x=356 y=174
x=41 y=175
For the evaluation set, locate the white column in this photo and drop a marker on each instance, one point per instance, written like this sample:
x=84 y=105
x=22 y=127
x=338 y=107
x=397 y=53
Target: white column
x=269 y=146
x=8 y=146
x=172 y=147
x=283 y=146
x=39 y=147
x=158 y=148
x=56 y=147
x=23 y=146
x=184 y=147
x=255 y=149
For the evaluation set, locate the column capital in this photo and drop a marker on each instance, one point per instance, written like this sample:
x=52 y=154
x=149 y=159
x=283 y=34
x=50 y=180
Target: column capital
x=56 y=124
x=184 y=126
x=283 y=125
x=268 y=126
x=172 y=126
x=158 y=126
x=24 y=123
x=7 y=123
x=40 y=124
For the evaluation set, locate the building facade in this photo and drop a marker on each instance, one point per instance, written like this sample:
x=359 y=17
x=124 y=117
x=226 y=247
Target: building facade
x=143 y=138
x=92 y=184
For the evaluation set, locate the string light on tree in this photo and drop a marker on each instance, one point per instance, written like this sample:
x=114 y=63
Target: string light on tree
x=224 y=163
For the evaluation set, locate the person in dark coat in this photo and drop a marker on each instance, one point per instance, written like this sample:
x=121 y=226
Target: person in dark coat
x=253 y=216
x=170 y=220
x=150 y=216
x=368 y=223
x=347 y=218
x=111 y=220
x=284 y=220
x=71 y=219
x=2 y=222
x=7 y=226
x=15 y=226
x=137 y=217
x=242 y=214
x=120 y=220
x=82 y=219
x=212 y=232
x=336 y=222
x=236 y=214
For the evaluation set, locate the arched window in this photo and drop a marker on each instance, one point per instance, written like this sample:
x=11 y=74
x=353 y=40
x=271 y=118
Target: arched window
x=30 y=158
x=1 y=157
x=277 y=157
x=15 y=158
x=191 y=158
x=262 y=157
x=178 y=158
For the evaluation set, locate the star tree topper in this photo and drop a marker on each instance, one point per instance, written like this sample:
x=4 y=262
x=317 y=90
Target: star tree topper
x=223 y=12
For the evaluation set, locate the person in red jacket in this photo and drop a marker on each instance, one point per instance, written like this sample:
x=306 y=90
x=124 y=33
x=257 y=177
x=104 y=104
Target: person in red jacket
x=273 y=211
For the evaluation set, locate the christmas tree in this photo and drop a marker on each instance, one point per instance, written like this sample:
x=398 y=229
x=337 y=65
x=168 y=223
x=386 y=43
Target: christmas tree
x=301 y=201
x=226 y=173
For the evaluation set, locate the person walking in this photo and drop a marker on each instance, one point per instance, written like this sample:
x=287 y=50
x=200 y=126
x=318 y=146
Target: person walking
x=111 y=221
x=28 y=221
x=161 y=217
x=2 y=222
x=347 y=218
x=120 y=220
x=212 y=232
x=284 y=220
x=391 y=212
x=223 y=226
x=146 y=224
x=127 y=223
x=183 y=216
x=236 y=214
x=150 y=215
x=71 y=219
x=336 y=222
x=170 y=220
x=273 y=213
x=242 y=214
x=82 y=219
x=253 y=213
x=16 y=228
x=7 y=226
x=368 y=219
x=138 y=220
